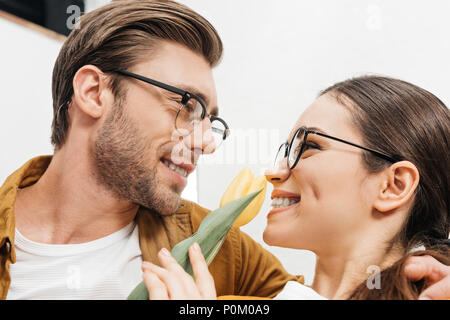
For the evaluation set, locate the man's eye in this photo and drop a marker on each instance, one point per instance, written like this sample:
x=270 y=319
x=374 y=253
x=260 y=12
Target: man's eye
x=175 y=102
x=189 y=107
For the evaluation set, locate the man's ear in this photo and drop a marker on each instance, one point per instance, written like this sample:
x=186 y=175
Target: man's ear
x=398 y=184
x=89 y=84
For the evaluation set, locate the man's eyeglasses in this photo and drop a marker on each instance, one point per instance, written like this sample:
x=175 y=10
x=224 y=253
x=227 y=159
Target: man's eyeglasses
x=294 y=150
x=192 y=111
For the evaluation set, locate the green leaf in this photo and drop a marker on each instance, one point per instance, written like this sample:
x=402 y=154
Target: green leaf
x=139 y=293
x=210 y=236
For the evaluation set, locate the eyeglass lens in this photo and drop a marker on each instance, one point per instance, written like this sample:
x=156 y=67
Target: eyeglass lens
x=190 y=116
x=296 y=147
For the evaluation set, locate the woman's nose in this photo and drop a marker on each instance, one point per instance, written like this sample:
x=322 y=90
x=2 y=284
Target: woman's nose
x=278 y=173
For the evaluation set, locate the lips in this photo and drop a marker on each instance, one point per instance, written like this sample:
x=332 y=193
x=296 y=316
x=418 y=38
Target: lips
x=183 y=169
x=277 y=193
x=283 y=200
x=175 y=173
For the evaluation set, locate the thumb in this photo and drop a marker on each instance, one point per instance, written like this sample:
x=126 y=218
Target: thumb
x=438 y=291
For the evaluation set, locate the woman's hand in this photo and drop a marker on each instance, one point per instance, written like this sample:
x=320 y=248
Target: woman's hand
x=171 y=281
x=435 y=274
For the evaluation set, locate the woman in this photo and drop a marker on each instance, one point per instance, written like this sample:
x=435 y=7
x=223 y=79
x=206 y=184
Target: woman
x=362 y=181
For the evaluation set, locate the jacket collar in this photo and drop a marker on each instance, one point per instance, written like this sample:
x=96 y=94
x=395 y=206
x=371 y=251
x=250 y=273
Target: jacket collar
x=155 y=231
x=25 y=176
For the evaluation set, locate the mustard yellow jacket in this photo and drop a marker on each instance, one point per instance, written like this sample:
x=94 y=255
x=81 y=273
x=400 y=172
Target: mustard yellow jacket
x=242 y=267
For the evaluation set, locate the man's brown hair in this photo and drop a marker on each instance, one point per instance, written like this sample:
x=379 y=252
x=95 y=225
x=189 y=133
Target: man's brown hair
x=119 y=35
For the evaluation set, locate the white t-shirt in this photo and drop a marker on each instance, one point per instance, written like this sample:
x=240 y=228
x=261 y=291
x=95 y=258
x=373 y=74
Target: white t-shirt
x=106 y=268
x=296 y=291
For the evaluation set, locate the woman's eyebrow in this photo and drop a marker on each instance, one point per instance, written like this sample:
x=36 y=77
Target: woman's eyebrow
x=317 y=129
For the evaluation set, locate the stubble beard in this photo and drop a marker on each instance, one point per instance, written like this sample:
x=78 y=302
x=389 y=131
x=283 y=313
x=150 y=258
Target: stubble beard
x=121 y=165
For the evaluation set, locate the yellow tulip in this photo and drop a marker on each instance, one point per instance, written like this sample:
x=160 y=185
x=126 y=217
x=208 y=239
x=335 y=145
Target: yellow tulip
x=245 y=183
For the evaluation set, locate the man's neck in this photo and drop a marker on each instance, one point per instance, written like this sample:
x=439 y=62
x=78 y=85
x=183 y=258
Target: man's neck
x=67 y=205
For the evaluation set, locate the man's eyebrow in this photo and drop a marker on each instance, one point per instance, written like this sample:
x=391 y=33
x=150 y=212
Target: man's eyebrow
x=214 y=110
x=194 y=91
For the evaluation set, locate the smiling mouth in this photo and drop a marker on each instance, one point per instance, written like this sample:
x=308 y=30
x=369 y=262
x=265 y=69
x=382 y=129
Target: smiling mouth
x=281 y=202
x=174 y=167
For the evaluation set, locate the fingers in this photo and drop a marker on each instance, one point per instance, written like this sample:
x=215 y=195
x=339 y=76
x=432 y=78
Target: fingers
x=425 y=267
x=437 y=291
x=156 y=288
x=435 y=274
x=173 y=286
x=178 y=283
x=184 y=280
x=168 y=262
x=171 y=281
x=203 y=278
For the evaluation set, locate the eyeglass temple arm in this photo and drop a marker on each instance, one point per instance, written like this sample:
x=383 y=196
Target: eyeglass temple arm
x=380 y=154
x=185 y=94
x=154 y=82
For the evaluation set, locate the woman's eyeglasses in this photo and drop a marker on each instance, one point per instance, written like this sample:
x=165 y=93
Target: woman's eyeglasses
x=294 y=150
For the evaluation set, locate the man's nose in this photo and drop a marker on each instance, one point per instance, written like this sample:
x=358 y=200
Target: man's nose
x=201 y=139
x=278 y=173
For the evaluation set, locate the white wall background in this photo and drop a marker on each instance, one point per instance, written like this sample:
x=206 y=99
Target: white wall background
x=278 y=56
x=26 y=65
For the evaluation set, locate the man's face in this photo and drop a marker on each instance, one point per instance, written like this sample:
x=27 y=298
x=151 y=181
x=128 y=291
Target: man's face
x=134 y=151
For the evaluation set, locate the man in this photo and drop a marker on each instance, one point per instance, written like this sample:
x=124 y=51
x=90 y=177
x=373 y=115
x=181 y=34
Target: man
x=130 y=87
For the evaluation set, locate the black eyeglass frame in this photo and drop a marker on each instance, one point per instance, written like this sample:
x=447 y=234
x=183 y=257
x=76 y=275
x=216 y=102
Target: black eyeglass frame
x=186 y=96
x=304 y=143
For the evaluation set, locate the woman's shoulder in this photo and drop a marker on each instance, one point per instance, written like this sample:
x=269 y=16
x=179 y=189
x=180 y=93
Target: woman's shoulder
x=296 y=291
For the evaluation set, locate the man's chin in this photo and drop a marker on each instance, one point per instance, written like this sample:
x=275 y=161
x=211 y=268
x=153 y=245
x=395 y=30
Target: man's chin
x=165 y=204
x=170 y=209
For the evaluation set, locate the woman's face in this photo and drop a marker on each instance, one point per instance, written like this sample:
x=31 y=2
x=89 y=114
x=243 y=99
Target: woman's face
x=334 y=190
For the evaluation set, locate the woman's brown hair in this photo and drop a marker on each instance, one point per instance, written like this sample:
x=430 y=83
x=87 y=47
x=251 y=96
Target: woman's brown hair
x=409 y=123
x=121 y=34
x=394 y=284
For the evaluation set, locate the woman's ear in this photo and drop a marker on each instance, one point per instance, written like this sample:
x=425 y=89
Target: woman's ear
x=89 y=85
x=397 y=187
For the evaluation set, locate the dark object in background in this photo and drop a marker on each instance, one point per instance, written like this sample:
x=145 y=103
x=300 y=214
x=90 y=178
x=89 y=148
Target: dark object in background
x=51 y=14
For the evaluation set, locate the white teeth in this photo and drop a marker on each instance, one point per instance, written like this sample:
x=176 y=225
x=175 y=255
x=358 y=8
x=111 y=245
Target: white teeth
x=283 y=202
x=176 y=168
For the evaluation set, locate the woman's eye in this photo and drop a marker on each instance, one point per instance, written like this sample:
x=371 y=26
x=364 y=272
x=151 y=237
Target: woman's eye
x=310 y=145
x=307 y=147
